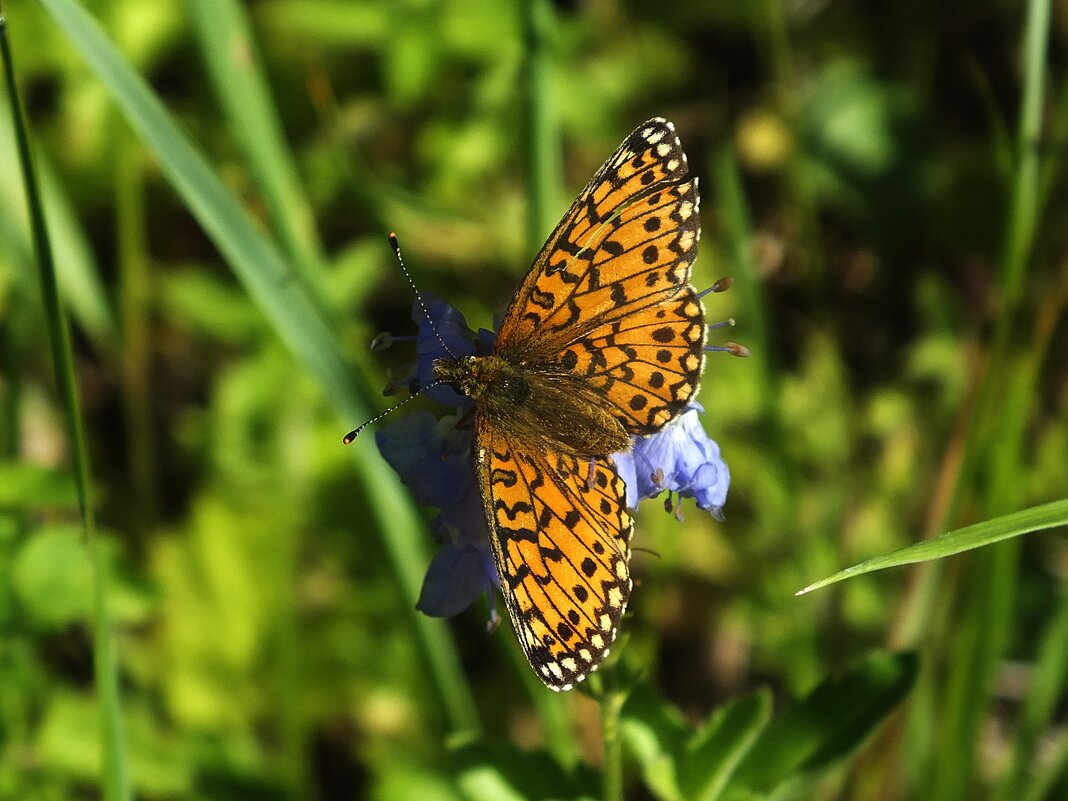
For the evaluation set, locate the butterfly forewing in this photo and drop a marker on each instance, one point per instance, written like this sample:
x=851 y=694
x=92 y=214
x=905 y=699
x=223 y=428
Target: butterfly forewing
x=650 y=159
x=560 y=532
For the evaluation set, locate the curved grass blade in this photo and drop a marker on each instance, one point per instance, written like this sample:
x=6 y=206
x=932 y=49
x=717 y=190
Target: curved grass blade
x=234 y=67
x=1037 y=518
x=295 y=317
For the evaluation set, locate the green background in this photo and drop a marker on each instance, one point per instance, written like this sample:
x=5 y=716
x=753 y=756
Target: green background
x=882 y=180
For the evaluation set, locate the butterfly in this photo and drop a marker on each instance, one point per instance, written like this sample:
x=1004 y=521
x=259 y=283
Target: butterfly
x=603 y=340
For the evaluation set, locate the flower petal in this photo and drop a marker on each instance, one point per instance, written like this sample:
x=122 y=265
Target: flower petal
x=682 y=458
x=430 y=456
x=452 y=328
x=456 y=577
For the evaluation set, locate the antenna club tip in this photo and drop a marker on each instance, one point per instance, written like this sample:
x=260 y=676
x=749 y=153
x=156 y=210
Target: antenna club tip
x=348 y=438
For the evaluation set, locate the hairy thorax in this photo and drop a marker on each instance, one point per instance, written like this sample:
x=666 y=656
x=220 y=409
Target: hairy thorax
x=538 y=402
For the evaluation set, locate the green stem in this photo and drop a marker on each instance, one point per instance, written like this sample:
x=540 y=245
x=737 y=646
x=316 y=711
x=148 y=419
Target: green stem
x=1051 y=674
x=133 y=301
x=544 y=165
x=115 y=767
x=11 y=354
x=1024 y=211
x=611 y=701
x=544 y=178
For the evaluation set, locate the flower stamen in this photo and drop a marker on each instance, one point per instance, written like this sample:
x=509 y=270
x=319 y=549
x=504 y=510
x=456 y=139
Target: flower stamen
x=384 y=339
x=722 y=285
x=733 y=348
x=402 y=377
x=657 y=477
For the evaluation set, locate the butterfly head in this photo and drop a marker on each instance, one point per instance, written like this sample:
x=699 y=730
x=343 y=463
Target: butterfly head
x=459 y=373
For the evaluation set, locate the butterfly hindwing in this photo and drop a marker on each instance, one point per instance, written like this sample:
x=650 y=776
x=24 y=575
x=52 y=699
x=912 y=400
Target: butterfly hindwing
x=560 y=533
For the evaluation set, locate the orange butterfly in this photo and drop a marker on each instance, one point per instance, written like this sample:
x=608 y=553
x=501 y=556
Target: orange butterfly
x=604 y=340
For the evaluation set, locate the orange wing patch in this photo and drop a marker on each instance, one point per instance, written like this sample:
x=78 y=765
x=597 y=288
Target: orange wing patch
x=561 y=539
x=648 y=363
x=651 y=158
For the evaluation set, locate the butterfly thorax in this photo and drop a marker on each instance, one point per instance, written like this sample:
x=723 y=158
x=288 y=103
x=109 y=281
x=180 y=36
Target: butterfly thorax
x=538 y=401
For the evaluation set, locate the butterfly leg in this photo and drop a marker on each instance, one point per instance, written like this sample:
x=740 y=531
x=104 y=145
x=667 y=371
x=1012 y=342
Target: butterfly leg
x=466 y=419
x=592 y=475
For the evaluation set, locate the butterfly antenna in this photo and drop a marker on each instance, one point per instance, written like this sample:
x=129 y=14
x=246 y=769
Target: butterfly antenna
x=348 y=438
x=426 y=313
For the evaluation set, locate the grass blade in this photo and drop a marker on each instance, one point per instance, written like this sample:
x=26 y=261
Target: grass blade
x=233 y=61
x=77 y=273
x=116 y=772
x=544 y=162
x=1037 y=518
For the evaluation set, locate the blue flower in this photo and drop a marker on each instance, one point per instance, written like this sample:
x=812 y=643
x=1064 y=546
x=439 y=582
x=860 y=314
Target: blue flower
x=680 y=458
x=433 y=458
x=452 y=329
x=453 y=338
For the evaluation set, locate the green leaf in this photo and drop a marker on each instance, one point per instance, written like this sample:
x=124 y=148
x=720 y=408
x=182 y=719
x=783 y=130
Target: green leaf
x=828 y=724
x=718 y=746
x=1037 y=518
x=679 y=763
x=494 y=772
x=32 y=486
x=655 y=734
x=52 y=578
x=350 y=24
x=67 y=743
x=51 y=575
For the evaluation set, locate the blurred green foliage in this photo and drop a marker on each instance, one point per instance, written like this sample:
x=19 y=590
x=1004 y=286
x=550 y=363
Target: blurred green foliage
x=900 y=274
